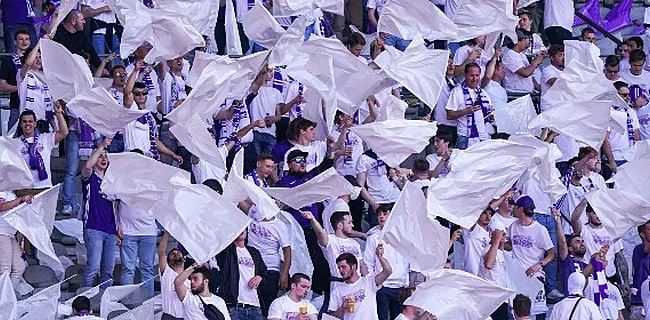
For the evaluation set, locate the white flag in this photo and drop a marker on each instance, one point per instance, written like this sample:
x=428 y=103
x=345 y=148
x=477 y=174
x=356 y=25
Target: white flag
x=328 y=184
x=112 y=295
x=285 y=48
x=14 y=172
x=260 y=26
x=453 y=294
x=200 y=63
x=585 y=52
x=419 y=237
x=42 y=305
x=195 y=137
x=410 y=19
x=634 y=177
x=392 y=108
x=300 y=258
x=619 y=210
x=515 y=115
x=482 y=17
x=145 y=311
x=577 y=82
x=233 y=42
x=7 y=297
x=72 y=227
x=395 y=140
x=202 y=14
x=66 y=74
x=287 y=8
x=419 y=69
x=519 y=281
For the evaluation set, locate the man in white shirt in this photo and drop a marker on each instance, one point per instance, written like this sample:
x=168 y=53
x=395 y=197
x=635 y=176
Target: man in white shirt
x=294 y=305
x=551 y=72
x=200 y=297
x=637 y=75
x=138 y=232
x=526 y=23
x=170 y=265
x=641 y=105
x=624 y=55
x=144 y=74
x=618 y=147
x=492 y=266
x=494 y=74
x=439 y=161
x=440 y=113
x=519 y=72
x=587 y=34
x=575 y=306
x=477 y=239
x=372 y=176
x=469 y=105
x=558 y=20
x=355 y=298
x=503 y=208
x=388 y=297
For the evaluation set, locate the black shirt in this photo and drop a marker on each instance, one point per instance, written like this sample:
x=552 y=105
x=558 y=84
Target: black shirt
x=77 y=42
x=8 y=73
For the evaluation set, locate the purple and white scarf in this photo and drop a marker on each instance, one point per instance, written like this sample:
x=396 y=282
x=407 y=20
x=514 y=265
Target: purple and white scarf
x=35 y=159
x=256 y=179
x=301 y=89
x=630 y=128
x=146 y=79
x=148 y=120
x=278 y=80
x=175 y=91
x=600 y=291
x=472 y=129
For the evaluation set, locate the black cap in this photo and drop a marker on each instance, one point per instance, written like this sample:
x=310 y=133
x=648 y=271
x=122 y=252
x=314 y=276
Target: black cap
x=296 y=154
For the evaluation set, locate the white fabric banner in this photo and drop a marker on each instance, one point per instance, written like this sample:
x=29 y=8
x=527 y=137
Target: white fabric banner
x=485 y=17
x=72 y=227
x=66 y=74
x=285 y=48
x=260 y=26
x=202 y=14
x=112 y=295
x=200 y=63
x=414 y=233
x=444 y=289
x=194 y=136
x=328 y=184
x=287 y=8
x=410 y=19
x=42 y=305
x=619 y=210
x=233 y=42
x=586 y=52
x=7 y=297
x=140 y=181
x=145 y=311
x=300 y=258
x=519 y=281
x=515 y=115
x=189 y=214
x=395 y=140
x=14 y=172
x=61 y=12
x=392 y=108
x=584 y=121
x=634 y=177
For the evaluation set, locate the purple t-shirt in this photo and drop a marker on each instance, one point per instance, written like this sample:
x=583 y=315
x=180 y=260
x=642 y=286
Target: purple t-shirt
x=640 y=265
x=98 y=212
x=291 y=181
x=15 y=11
x=279 y=150
x=567 y=267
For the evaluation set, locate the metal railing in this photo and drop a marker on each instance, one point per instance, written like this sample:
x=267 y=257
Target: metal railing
x=596 y=26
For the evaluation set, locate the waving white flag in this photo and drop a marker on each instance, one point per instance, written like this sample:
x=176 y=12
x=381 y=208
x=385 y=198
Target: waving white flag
x=260 y=27
x=7 y=297
x=14 y=172
x=396 y=140
x=577 y=82
x=202 y=14
x=328 y=184
x=485 y=17
x=515 y=115
x=300 y=258
x=619 y=210
x=66 y=74
x=285 y=48
x=634 y=177
x=112 y=295
x=287 y=8
x=145 y=311
x=233 y=42
x=194 y=136
x=441 y=293
x=42 y=305
x=410 y=19
x=519 y=281
x=392 y=108
x=585 y=52
x=61 y=13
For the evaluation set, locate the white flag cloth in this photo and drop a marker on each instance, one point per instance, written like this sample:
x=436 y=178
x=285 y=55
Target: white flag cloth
x=200 y=63
x=233 y=42
x=42 y=305
x=202 y=14
x=414 y=233
x=634 y=177
x=396 y=140
x=585 y=52
x=314 y=111
x=619 y=210
x=328 y=184
x=300 y=258
x=444 y=289
x=62 y=11
x=578 y=82
x=112 y=295
x=140 y=181
x=7 y=297
x=419 y=69
x=99 y=109
x=473 y=182
x=204 y=100
x=519 y=281
x=194 y=136
x=410 y=19
x=515 y=115
x=285 y=48
x=260 y=26
x=189 y=214
x=584 y=121
x=239 y=189
x=145 y=311
x=66 y=74
x=286 y=8
x=36 y=221
x=485 y=17
x=71 y=227
x=14 y=172
x=392 y=108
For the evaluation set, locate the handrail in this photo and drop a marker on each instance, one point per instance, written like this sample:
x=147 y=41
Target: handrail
x=596 y=26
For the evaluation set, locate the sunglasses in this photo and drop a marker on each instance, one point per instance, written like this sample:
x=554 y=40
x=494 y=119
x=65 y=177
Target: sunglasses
x=120 y=74
x=299 y=160
x=140 y=93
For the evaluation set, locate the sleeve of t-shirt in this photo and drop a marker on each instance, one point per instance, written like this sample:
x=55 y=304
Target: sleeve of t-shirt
x=49 y=141
x=545 y=239
x=335 y=300
x=311 y=309
x=635 y=119
x=372 y=4
x=369 y=254
x=454 y=102
x=284 y=235
x=460 y=56
x=275 y=310
x=547 y=74
x=369 y=282
x=363 y=164
x=512 y=62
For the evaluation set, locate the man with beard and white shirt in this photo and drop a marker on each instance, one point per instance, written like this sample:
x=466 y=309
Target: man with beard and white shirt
x=477 y=239
x=355 y=298
x=170 y=265
x=578 y=186
x=472 y=52
x=494 y=74
x=195 y=302
x=294 y=305
x=468 y=104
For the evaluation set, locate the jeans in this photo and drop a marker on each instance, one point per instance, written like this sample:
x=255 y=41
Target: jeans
x=100 y=247
x=10 y=32
x=11 y=259
x=100 y=45
x=550 y=269
x=134 y=248
x=388 y=303
x=71 y=168
x=263 y=142
x=268 y=290
x=14 y=113
x=248 y=313
x=462 y=142
x=397 y=42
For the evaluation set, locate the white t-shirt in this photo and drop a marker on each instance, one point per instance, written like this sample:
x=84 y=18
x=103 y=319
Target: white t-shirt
x=476 y=240
x=194 y=307
x=568 y=146
x=548 y=73
x=136 y=222
x=461 y=55
x=316 y=154
x=346 y=166
x=498 y=274
x=529 y=244
x=559 y=13
x=227 y=127
x=168 y=104
x=264 y=105
x=5 y=228
x=152 y=103
x=400 y=276
x=337 y=246
x=513 y=61
x=204 y=170
x=506 y=221
x=136 y=136
x=332 y=206
x=595 y=239
x=108 y=17
x=575 y=194
x=44 y=146
x=586 y=310
x=284 y=308
x=170 y=302
x=376 y=4
x=246 y=273
x=433 y=160
x=498 y=95
x=440 y=114
x=643 y=114
x=609 y=306
x=457 y=102
x=620 y=142
x=364 y=292
x=536 y=45
x=642 y=80
x=379 y=187
x=269 y=237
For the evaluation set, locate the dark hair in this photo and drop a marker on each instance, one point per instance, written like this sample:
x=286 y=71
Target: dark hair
x=293 y=130
x=420 y=165
x=355 y=39
x=612 y=61
x=585 y=151
x=555 y=49
x=23 y=59
x=521 y=305
x=19 y=129
x=525 y=13
x=472 y=42
x=22 y=31
x=589 y=208
x=640 y=228
x=71 y=16
x=489 y=210
x=471 y=65
x=139 y=85
x=620 y=84
x=214 y=185
x=528 y=212
x=296 y=277
x=264 y=156
x=501 y=136
x=114 y=69
x=637 y=55
x=637 y=40
x=586 y=30
x=205 y=272
x=446 y=137
x=348 y=258
x=405 y=294
x=384 y=208
x=81 y=303
x=138 y=151
x=338 y=216
x=570 y=238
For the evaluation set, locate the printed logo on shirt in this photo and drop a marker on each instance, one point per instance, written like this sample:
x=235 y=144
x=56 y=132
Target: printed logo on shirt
x=291 y=315
x=262 y=232
x=359 y=296
x=522 y=241
x=246 y=262
x=349 y=249
x=606 y=240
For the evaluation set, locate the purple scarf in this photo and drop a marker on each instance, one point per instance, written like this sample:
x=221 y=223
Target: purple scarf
x=630 y=128
x=233 y=137
x=485 y=108
x=599 y=276
x=256 y=179
x=35 y=158
x=175 y=91
x=278 y=80
x=147 y=78
x=148 y=120
x=301 y=89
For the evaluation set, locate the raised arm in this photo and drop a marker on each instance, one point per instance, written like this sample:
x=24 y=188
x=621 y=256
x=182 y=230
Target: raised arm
x=491 y=67
x=528 y=71
x=162 y=252
x=87 y=170
x=179 y=282
x=575 y=216
x=62 y=126
x=387 y=270
x=562 y=246
x=321 y=234
x=372 y=107
x=491 y=255
x=130 y=83
x=243 y=131
x=29 y=61
x=102 y=65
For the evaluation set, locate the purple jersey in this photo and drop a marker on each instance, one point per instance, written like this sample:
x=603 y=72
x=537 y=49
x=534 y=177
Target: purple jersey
x=567 y=267
x=98 y=212
x=640 y=265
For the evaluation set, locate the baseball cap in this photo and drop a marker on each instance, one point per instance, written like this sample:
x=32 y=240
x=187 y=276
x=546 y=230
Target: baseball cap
x=636 y=92
x=525 y=202
x=296 y=154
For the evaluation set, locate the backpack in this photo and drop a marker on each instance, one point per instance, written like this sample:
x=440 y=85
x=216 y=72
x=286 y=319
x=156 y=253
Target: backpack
x=211 y=311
